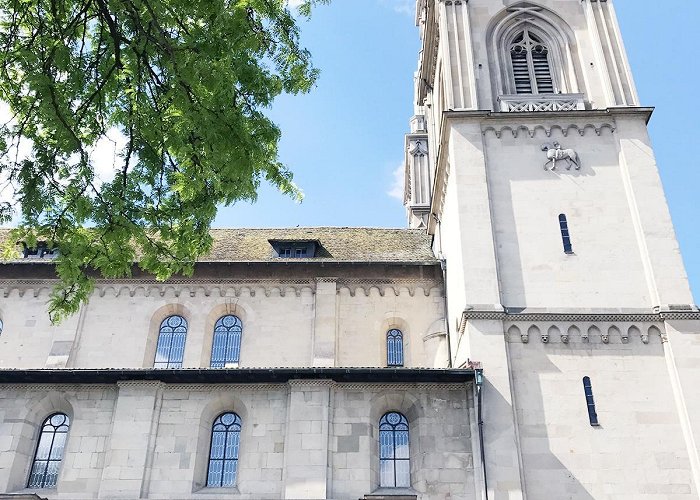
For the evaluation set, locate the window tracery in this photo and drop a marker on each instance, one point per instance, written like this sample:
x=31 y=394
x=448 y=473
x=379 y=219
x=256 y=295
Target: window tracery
x=170 y=349
x=532 y=73
x=226 y=345
x=49 y=452
x=223 y=455
x=533 y=60
x=394 y=347
x=394 y=454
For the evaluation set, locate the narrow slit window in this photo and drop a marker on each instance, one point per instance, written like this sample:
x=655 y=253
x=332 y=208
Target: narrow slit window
x=590 y=403
x=394 y=347
x=49 y=452
x=565 y=236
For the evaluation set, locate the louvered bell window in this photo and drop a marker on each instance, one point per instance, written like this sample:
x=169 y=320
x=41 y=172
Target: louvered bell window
x=531 y=69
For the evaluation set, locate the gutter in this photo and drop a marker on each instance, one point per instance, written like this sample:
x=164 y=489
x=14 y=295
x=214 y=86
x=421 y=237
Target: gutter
x=238 y=375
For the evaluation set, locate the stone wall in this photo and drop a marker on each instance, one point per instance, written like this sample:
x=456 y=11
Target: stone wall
x=638 y=450
x=312 y=323
x=301 y=440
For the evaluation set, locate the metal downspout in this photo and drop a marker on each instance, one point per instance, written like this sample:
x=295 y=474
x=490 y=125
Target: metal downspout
x=443 y=265
x=479 y=379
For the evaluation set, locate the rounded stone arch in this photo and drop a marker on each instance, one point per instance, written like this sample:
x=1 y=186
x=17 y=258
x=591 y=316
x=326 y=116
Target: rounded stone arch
x=390 y=322
x=555 y=32
x=28 y=436
x=234 y=308
x=172 y=309
x=218 y=404
x=410 y=407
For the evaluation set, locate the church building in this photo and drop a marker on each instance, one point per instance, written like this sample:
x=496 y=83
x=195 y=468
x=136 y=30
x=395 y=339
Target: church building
x=530 y=335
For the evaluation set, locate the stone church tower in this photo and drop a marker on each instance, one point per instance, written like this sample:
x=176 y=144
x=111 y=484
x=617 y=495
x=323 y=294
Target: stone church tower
x=530 y=163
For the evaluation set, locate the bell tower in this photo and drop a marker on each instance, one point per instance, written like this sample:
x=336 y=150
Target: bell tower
x=564 y=275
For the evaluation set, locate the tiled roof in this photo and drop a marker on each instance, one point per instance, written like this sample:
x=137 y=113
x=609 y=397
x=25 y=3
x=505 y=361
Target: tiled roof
x=344 y=244
x=337 y=244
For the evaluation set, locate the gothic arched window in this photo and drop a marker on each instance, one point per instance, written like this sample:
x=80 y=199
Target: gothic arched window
x=171 y=343
x=223 y=456
x=49 y=452
x=226 y=346
x=530 y=60
x=394 y=460
x=394 y=347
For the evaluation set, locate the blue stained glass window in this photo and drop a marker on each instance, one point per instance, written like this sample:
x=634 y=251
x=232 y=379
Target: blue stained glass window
x=394 y=348
x=49 y=452
x=394 y=456
x=171 y=343
x=226 y=345
x=223 y=455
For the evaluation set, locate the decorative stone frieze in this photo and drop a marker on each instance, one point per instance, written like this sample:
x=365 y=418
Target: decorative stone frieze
x=229 y=288
x=532 y=130
x=581 y=333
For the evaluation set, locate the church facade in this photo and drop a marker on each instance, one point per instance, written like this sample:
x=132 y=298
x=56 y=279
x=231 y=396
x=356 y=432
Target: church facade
x=531 y=335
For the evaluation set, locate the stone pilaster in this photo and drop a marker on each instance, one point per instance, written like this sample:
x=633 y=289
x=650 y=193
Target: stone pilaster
x=325 y=323
x=130 y=446
x=306 y=443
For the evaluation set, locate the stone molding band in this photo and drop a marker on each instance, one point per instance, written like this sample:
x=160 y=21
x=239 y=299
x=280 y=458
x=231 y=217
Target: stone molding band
x=584 y=317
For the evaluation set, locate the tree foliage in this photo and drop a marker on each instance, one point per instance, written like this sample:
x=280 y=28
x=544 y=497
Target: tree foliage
x=185 y=83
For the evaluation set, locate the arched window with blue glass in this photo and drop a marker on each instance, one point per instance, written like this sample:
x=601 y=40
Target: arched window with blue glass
x=223 y=454
x=49 y=452
x=226 y=345
x=170 y=349
x=394 y=347
x=394 y=455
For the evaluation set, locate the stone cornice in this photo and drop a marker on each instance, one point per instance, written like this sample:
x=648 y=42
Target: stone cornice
x=658 y=317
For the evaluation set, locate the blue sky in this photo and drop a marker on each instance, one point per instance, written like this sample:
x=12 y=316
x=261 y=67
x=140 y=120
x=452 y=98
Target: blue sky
x=344 y=140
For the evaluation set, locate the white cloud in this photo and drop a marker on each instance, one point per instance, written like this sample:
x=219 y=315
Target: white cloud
x=407 y=7
x=293 y=4
x=397 y=184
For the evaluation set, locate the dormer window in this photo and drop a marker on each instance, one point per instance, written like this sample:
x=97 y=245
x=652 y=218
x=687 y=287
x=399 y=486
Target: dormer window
x=532 y=73
x=293 y=252
x=42 y=250
x=294 y=249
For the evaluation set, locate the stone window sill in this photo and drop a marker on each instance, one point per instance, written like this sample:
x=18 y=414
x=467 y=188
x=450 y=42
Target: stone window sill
x=393 y=494
x=216 y=493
